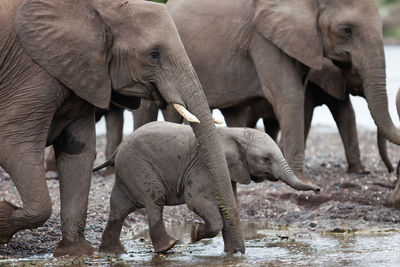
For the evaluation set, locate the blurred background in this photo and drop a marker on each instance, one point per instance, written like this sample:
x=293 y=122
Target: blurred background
x=390 y=13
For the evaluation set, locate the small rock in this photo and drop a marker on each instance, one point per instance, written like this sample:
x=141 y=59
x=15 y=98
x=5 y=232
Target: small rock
x=313 y=224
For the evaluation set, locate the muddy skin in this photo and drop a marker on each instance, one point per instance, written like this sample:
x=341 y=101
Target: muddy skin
x=159 y=165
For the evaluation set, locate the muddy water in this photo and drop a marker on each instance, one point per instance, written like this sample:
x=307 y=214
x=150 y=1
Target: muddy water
x=265 y=246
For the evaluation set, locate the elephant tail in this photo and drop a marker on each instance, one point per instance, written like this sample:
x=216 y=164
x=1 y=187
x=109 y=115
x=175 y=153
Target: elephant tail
x=108 y=162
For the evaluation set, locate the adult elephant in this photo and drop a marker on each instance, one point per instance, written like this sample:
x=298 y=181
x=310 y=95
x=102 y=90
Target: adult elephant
x=324 y=87
x=61 y=59
x=266 y=47
x=114 y=117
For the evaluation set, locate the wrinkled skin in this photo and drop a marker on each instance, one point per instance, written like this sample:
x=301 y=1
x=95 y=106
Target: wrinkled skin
x=159 y=164
x=394 y=198
x=114 y=133
x=334 y=94
x=382 y=140
x=61 y=59
x=266 y=47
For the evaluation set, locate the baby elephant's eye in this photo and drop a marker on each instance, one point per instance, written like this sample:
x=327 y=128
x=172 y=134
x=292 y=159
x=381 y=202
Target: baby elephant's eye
x=267 y=159
x=155 y=55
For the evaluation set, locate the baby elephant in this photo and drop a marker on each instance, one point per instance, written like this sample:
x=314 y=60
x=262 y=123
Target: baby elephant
x=160 y=164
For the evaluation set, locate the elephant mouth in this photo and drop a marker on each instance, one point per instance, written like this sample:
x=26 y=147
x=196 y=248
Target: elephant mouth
x=263 y=177
x=140 y=90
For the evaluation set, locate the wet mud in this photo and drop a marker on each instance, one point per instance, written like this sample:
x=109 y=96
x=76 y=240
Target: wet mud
x=347 y=224
x=264 y=247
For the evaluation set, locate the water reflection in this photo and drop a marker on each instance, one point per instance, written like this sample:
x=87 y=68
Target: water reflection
x=265 y=246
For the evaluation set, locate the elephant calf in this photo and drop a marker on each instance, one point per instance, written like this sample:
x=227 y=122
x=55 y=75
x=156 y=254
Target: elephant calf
x=160 y=164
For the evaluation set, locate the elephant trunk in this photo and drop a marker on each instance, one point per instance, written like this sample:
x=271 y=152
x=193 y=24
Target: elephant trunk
x=373 y=75
x=383 y=152
x=287 y=176
x=211 y=149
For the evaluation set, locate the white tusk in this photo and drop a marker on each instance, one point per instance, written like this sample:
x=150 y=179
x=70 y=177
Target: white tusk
x=185 y=113
x=217 y=121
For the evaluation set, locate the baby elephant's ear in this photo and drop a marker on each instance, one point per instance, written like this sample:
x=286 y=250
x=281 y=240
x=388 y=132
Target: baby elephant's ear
x=237 y=163
x=69 y=39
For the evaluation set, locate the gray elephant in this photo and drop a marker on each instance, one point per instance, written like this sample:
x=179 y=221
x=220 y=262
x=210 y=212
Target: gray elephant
x=327 y=86
x=61 y=59
x=264 y=48
x=324 y=87
x=159 y=164
x=114 y=117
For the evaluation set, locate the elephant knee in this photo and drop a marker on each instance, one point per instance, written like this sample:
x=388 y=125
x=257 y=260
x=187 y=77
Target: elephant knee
x=40 y=213
x=215 y=228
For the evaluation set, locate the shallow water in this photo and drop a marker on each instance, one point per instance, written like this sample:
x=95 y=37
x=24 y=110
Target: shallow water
x=264 y=246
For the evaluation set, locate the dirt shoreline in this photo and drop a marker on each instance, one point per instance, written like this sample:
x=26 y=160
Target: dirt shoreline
x=348 y=202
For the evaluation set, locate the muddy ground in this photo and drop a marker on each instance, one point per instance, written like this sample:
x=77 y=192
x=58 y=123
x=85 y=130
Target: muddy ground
x=348 y=202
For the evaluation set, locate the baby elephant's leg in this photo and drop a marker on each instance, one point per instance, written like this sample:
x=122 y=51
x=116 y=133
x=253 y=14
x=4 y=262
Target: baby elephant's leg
x=161 y=240
x=208 y=210
x=120 y=207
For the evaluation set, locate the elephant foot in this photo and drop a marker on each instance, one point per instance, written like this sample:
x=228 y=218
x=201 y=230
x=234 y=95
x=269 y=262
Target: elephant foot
x=357 y=168
x=73 y=248
x=112 y=247
x=165 y=246
x=7 y=228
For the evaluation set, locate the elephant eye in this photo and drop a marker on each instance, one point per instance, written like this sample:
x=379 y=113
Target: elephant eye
x=155 y=55
x=267 y=159
x=348 y=31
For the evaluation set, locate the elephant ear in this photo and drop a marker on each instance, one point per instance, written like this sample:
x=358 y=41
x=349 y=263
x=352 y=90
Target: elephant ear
x=330 y=79
x=69 y=39
x=237 y=164
x=292 y=26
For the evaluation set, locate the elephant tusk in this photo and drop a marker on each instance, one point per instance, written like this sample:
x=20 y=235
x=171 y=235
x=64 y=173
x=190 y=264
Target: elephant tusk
x=217 y=121
x=185 y=113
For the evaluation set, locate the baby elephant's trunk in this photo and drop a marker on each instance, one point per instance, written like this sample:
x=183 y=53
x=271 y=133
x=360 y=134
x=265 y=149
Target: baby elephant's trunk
x=289 y=178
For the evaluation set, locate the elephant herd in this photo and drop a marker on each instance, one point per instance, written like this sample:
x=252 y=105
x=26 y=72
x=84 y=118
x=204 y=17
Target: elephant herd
x=64 y=62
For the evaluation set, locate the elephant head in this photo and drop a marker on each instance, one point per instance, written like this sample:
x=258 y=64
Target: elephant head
x=254 y=156
x=120 y=51
x=349 y=33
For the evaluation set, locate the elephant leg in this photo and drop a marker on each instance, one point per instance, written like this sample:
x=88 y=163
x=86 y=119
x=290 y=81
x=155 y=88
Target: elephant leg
x=344 y=116
x=147 y=112
x=208 y=210
x=51 y=163
x=162 y=241
x=26 y=168
x=120 y=207
x=114 y=127
x=283 y=88
x=75 y=153
x=292 y=137
x=394 y=197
